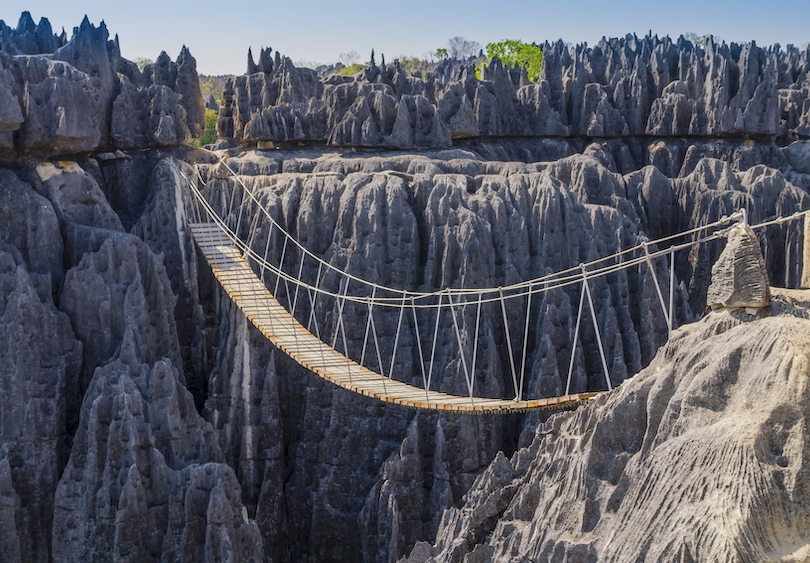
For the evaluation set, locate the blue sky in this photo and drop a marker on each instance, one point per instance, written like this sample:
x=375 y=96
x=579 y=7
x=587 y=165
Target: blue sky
x=219 y=33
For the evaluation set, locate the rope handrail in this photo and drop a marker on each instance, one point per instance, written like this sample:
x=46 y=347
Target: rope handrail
x=722 y=221
x=216 y=224
x=535 y=286
x=547 y=282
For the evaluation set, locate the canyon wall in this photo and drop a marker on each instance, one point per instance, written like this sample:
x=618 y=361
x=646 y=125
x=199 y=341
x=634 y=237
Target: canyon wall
x=144 y=418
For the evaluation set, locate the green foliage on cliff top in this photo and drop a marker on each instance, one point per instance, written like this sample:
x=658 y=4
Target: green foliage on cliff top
x=209 y=136
x=515 y=52
x=352 y=69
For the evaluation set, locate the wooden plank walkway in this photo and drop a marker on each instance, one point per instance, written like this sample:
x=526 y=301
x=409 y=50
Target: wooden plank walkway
x=286 y=333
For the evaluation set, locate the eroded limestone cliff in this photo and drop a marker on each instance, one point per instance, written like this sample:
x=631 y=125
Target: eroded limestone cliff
x=699 y=457
x=144 y=418
x=625 y=87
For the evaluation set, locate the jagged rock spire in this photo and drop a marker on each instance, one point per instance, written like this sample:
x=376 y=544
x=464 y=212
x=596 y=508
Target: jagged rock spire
x=739 y=277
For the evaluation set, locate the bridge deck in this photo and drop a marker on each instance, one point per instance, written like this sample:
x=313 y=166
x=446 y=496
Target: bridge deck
x=286 y=333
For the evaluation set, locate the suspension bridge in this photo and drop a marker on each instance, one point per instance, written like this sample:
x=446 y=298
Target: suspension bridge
x=275 y=296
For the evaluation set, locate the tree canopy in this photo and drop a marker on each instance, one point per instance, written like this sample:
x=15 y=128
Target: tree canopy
x=516 y=52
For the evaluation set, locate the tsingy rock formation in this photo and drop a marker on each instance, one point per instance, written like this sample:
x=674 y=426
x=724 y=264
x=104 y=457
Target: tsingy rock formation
x=62 y=97
x=700 y=457
x=619 y=88
x=128 y=371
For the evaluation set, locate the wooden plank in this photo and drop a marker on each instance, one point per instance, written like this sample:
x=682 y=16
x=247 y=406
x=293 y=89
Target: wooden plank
x=242 y=284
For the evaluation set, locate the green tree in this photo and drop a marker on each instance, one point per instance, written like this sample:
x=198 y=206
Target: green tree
x=515 y=52
x=209 y=136
x=352 y=69
x=411 y=65
x=441 y=53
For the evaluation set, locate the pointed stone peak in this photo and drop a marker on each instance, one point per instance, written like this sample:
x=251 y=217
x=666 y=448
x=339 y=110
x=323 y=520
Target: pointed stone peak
x=251 y=65
x=739 y=277
x=26 y=23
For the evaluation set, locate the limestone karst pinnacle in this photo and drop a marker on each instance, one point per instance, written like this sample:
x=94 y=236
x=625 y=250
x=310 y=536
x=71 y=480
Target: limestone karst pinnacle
x=126 y=370
x=739 y=277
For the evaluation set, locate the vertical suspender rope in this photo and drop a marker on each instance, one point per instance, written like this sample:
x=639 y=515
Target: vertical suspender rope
x=247 y=254
x=435 y=336
x=419 y=347
x=339 y=328
x=377 y=344
x=374 y=336
x=280 y=270
x=657 y=285
x=313 y=301
x=251 y=230
x=266 y=250
x=230 y=204
x=671 y=292
x=508 y=343
x=596 y=328
x=368 y=327
x=293 y=304
x=343 y=331
x=297 y=283
x=525 y=342
x=460 y=347
x=339 y=302
x=396 y=338
x=576 y=337
x=475 y=344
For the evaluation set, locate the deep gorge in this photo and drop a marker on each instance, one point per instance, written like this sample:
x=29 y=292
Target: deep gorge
x=144 y=418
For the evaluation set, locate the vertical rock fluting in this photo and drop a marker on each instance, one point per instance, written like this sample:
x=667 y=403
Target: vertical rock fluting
x=40 y=364
x=693 y=446
x=62 y=97
x=618 y=88
x=469 y=228
x=145 y=479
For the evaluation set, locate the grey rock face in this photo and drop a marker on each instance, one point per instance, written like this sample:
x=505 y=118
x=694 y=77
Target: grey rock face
x=74 y=96
x=176 y=500
x=62 y=108
x=798 y=155
x=144 y=117
x=29 y=38
x=165 y=492
x=29 y=223
x=619 y=88
x=739 y=277
x=122 y=287
x=11 y=116
x=40 y=366
x=593 y=483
